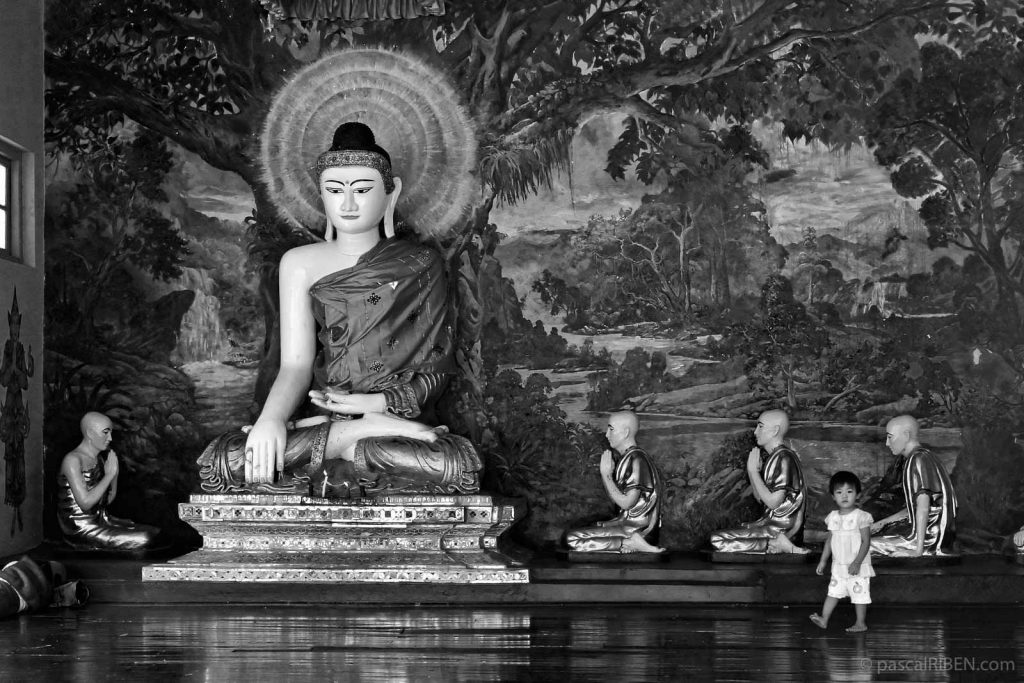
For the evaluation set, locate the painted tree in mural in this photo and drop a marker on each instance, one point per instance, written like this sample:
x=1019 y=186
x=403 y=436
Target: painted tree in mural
x=809 y=262
x=955 y=137
x=699 y=223
x=201 y=73
x=779 y=343
x=109 y=219
x=674 y=255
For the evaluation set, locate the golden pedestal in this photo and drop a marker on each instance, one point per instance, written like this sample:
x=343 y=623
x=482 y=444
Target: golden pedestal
x=398 y=538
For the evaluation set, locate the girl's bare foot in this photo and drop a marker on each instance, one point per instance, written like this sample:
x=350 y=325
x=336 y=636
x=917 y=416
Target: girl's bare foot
x=857 y=628
x=818 y=621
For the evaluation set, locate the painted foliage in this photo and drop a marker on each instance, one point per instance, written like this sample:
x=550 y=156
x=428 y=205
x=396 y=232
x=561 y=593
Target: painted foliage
x=696 y=210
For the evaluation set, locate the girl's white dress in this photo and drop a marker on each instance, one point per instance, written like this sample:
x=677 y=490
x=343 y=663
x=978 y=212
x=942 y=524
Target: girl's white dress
x=846 y=540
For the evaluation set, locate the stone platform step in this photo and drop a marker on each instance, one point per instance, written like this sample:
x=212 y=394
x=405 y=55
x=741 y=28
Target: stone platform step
x=463 y=567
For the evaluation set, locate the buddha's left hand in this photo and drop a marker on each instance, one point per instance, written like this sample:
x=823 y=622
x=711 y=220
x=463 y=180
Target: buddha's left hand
x=349 y=404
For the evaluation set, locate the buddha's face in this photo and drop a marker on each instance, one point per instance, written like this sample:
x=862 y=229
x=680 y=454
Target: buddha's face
x=354 y=198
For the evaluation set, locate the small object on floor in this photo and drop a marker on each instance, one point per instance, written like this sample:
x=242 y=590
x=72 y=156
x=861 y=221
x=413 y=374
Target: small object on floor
x=28 y=586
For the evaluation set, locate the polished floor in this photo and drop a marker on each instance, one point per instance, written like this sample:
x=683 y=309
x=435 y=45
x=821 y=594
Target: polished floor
x=549 y=643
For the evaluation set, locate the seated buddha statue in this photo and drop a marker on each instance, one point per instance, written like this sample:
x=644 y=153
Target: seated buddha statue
x=367 y=339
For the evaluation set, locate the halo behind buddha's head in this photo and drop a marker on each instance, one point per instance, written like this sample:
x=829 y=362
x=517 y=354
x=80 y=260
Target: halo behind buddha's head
x=409 y=109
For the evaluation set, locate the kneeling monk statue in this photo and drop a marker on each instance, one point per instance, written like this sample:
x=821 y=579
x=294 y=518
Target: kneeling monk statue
x=634 y=484
x=364 y=320
x=779 y=484
x=927 y=525
x=87 y=483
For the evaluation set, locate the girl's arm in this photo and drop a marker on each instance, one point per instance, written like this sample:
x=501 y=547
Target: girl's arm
x=865 y=548
x=825 y=554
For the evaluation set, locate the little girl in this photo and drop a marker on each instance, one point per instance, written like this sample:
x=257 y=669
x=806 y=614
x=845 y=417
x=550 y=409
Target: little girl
x=849 y=544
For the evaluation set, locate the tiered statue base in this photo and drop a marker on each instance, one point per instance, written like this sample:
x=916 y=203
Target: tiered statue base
x=293 y=538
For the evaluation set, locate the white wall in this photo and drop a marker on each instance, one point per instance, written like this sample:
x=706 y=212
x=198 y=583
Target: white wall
x=21 y=122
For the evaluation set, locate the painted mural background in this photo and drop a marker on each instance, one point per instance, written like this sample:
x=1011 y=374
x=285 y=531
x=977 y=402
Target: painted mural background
x=758 y=219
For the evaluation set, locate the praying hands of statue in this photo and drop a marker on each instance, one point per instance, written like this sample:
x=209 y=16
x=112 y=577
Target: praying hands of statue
x=349 y=404
x=754 y=459
x=111 y=465
x=607 y=464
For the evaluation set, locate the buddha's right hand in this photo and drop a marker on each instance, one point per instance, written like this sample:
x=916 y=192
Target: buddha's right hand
x=264 y=451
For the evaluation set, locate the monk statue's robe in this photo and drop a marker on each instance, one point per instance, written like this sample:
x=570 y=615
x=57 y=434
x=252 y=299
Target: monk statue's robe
x=922 y=473
x=634 y=471
x=781 y=471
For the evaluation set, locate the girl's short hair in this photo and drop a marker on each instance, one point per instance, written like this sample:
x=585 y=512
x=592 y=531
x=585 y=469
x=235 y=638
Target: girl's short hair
x=843 y=477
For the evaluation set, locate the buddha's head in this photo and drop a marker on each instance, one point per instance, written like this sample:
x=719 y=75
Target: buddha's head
x=356 y=185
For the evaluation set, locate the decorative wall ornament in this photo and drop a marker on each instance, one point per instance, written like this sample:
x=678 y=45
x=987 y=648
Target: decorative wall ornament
x=15 y=369
x=352 y=10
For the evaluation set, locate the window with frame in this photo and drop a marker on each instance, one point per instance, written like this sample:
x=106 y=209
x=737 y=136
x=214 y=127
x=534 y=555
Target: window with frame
x=6 y=213
x=16 y=201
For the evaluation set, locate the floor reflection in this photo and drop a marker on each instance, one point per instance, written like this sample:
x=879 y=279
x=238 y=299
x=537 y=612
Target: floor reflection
x=549 y=643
